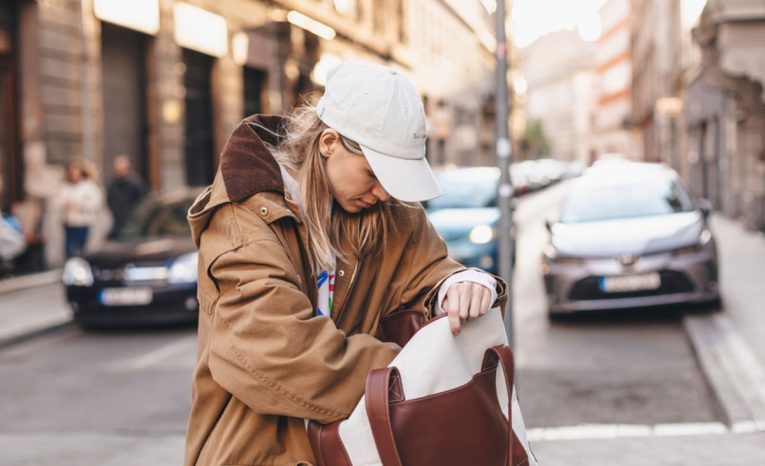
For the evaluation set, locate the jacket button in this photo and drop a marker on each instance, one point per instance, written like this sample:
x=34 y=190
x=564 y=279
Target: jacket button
x=341 y=273
x=263 y=211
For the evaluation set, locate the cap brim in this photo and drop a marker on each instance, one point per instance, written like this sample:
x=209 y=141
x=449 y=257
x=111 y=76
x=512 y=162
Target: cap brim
x=404 y=179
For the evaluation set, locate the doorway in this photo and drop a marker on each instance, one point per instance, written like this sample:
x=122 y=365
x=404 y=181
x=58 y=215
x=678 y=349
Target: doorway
x=200 y=155
x=254 y=85
x=124 y=89
x=10 y=161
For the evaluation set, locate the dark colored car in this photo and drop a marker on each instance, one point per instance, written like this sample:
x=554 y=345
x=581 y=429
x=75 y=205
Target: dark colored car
x=466 y=215
x=148 y=275
x=629 y=235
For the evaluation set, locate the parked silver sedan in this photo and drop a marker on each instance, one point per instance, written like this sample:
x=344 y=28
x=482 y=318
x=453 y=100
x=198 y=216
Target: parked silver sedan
x=629 y=235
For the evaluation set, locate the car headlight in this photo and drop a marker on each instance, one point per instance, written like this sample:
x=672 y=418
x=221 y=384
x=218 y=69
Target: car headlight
x=704 y=238
x=77 y=272
x=184 y=269
x=550 y=254
x=481 y=234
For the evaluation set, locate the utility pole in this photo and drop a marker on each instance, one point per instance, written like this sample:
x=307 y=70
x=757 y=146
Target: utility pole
x=503 y=149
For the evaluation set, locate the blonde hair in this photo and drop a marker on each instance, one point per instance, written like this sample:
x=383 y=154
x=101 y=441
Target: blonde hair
x=366 y=231
x=87 y=169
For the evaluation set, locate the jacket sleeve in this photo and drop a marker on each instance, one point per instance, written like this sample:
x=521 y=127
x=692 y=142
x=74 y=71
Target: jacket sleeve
x=430 y=266
x=268 y=350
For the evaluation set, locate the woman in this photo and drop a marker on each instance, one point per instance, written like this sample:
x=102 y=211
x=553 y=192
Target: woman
x=296 y=205
x=80 y=202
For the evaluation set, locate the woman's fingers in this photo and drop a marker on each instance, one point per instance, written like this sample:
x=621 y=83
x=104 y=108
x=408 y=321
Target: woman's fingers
x=465 y=289
x=485 y=300
x=452 y=307
x=465 y=301
x=476 y=291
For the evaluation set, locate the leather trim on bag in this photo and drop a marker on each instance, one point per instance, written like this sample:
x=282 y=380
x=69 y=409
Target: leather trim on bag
x=326 y=444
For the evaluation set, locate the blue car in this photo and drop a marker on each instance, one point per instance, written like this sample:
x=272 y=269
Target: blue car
x=467 y=216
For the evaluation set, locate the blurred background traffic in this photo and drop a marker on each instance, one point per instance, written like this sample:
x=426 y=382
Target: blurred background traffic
x=637 y=137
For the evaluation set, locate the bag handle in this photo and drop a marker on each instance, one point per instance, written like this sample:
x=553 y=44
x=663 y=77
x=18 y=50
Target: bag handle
x=384 y=385
x=376 y=399
x=503 y=355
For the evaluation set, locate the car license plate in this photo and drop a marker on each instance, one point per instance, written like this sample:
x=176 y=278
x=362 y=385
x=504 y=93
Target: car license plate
x=125 y=296
x=626 y=283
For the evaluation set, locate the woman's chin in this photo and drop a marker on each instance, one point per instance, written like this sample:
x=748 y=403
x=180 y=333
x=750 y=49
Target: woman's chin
x=350 y=207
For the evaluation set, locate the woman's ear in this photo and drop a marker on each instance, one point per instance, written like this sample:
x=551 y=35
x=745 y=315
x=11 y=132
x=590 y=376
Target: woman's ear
x=327 y=141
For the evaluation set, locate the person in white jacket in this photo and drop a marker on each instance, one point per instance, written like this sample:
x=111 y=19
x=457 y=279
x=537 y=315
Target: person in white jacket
x=81 y=199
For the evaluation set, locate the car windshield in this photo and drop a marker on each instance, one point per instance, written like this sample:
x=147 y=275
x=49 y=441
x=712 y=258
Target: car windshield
x=619 y=201
x=465 y=189
x=155 y=218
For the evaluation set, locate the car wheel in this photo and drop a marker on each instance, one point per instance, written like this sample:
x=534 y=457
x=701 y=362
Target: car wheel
x=714 y=304
x=705 y=307
x=87 y=327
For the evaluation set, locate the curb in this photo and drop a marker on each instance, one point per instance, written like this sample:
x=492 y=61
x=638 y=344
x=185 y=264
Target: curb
x=731 y=368
x=16 y=333
x=29 y=281
x=32 y=332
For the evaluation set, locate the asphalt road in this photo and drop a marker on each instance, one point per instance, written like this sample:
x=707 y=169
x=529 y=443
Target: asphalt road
x=74 y=398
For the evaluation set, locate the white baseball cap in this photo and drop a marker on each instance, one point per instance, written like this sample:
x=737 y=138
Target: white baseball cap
x=379 y=108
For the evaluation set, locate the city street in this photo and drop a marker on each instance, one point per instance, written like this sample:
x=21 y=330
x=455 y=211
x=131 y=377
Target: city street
x=124 y=395
x=646 y=116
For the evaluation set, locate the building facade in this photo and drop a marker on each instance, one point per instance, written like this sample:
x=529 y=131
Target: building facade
x=655 y=38
x=451 y=43
x=165 y=81
x=559 y=91
x=611 y=122
x=725 y=110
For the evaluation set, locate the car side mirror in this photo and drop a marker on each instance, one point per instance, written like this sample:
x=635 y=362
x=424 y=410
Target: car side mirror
x=705 y=206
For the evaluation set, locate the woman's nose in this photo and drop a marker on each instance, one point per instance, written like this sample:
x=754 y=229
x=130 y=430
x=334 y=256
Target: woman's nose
x=380 y=192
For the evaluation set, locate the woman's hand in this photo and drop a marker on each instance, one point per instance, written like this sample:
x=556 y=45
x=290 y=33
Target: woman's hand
x=465 y=301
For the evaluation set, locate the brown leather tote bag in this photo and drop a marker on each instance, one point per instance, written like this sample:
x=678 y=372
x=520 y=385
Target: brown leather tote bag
x=462 y=426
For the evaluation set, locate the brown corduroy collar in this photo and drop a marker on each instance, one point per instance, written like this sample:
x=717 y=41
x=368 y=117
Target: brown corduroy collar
x=247 y=165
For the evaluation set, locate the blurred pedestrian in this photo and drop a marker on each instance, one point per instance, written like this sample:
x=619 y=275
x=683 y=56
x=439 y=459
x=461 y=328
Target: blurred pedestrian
x=125 y=191
x=327 y=193
x=12 y=241
x=81 y=199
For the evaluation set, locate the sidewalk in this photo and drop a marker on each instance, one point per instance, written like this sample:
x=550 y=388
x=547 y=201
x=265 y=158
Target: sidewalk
x=730 y=345
x=20 y=318
x=708 y=450
x=742 y=276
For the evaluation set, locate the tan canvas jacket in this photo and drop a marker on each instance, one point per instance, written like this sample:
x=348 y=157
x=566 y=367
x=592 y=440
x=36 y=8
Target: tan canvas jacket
x=265 y=362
